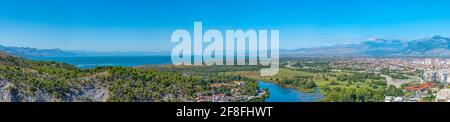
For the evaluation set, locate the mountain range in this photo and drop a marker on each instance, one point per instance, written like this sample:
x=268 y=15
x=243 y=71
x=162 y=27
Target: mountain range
x=436 y=46
x=34 y=52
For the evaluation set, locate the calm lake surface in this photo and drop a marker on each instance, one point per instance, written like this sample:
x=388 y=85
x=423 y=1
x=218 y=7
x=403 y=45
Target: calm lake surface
x=276 y=92
x=94 y=61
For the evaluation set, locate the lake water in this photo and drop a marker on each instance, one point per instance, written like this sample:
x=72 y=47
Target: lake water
x=94 y=61
x=282 y=94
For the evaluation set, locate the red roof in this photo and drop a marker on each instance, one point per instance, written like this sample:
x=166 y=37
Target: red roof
x=420 y=87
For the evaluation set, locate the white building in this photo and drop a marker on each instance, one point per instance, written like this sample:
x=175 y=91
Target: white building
x=443 y=95
x=442 y=75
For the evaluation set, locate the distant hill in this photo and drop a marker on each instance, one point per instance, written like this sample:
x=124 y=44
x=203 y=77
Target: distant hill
x=437 y=46
x=33 y=52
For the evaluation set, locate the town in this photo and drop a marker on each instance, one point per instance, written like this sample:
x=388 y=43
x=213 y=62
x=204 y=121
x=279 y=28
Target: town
x=235 y=94
x=426 y=79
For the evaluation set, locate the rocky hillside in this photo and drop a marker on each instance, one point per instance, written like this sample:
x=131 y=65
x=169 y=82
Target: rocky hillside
x=22 y=80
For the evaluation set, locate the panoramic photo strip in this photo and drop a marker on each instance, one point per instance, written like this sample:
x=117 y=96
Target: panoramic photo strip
x=224 y=59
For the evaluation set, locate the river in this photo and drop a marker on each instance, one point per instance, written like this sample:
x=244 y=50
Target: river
x=282 y=94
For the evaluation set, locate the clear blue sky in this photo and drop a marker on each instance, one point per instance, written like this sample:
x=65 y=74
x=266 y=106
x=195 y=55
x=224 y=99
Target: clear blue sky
x=146 y=25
